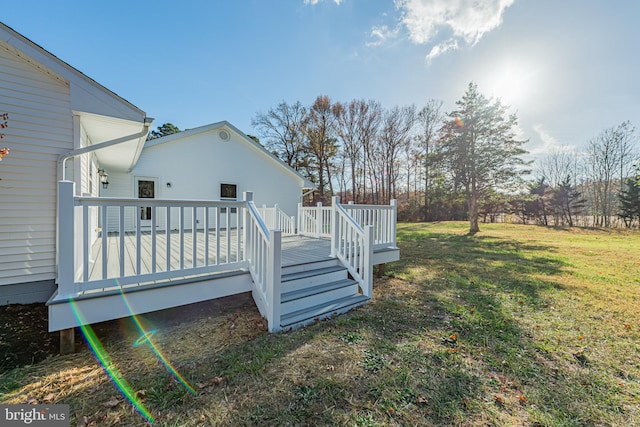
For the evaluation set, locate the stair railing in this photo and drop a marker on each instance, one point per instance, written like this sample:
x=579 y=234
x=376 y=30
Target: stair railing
x=263 y=251
x=353 y=246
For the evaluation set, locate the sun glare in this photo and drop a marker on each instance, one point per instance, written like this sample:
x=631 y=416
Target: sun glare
x=511 y=83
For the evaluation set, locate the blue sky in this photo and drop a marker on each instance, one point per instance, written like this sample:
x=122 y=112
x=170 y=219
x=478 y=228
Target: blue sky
x=568 y=68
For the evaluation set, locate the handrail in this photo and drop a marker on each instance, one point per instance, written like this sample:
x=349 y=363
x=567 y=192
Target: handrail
x=276 y=218
x=353 y=246
x=383 y=218
x=263 y=252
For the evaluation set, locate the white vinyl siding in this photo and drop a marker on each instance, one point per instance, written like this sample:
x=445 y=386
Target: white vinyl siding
x=40 y=129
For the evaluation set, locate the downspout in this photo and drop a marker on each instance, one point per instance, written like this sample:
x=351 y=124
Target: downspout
x=62 y=159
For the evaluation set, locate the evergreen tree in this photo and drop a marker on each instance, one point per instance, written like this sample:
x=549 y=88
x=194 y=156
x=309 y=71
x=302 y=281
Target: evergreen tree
x=630 y=201
x=481 y=146
x=567 y=201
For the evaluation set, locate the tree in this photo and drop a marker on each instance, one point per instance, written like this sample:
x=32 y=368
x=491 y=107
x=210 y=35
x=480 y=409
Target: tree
x=429 y=120
x=630 y=201
x=480 y=143
x=164 y=130
x=321 y=142
x=393 y=137
x=609 y=157
x=567 y=202
x=284 y=130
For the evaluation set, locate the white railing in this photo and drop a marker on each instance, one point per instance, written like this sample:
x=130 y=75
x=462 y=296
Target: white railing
x=193 y=237
x=353 y=246
x=276 y=218
x=381 y=217
x=314 y=221
x=264 y=255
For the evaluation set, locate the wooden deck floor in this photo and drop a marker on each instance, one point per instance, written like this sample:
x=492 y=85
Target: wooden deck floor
x=222 y=250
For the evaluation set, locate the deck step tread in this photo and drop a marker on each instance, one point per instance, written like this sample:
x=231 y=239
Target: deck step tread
x=315 y=290
x=321 y=311
x=310 y=273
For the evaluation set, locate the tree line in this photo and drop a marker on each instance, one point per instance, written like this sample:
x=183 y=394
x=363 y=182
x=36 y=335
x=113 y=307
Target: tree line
x=437 y=165
x=464 y=164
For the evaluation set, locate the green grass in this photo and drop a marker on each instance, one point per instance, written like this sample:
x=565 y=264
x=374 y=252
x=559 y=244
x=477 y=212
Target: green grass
x=516 y=325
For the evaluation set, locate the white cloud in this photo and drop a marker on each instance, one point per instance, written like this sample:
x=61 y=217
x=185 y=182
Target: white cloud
x=550 y=143
x=466 y=20
x=382 y=34
x=441 y=48
x=313 y=2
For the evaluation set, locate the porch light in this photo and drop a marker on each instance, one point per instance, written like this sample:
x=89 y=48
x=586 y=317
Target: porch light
x=104 y=178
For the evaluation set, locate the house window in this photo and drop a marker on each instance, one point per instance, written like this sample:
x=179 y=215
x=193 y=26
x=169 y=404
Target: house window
x=228 y=192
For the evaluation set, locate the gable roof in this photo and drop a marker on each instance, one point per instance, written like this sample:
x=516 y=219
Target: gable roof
x=243 y=137
x=102 y=100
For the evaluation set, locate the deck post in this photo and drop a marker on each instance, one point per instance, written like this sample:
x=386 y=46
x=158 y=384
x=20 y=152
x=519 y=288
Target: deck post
x=274 y=278
x=368 y=261
x=299 y=223
x=335 y=201
x=319 y=220
x=66 y=231
x=394 y=221
x=247 y=196
x=67 y=341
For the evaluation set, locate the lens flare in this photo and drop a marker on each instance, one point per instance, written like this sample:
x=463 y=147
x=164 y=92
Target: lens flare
x=146 y=337
x=459 y=121
x=108 y=365
x=111 y=369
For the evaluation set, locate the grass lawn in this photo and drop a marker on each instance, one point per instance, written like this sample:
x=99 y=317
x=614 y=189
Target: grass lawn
x=517 y=325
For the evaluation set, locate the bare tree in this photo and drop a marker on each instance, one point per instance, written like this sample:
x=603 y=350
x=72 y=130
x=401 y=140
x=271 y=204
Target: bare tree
x=608 y=158
x=370 y=115
x=430 y=121
x=283 y=129
x=321 y=142
x=395 y=133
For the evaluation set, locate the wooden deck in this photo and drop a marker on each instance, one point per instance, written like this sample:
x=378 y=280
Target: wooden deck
x=223 y=249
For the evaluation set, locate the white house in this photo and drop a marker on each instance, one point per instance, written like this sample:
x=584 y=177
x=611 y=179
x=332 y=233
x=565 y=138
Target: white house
x=52 y=109
x=96 y=251
x=212 y=162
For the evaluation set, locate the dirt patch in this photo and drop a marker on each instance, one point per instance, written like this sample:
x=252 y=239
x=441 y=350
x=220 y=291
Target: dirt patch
x=24 y=339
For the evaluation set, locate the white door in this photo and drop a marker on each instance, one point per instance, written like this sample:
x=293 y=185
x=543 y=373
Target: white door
x=146 y=188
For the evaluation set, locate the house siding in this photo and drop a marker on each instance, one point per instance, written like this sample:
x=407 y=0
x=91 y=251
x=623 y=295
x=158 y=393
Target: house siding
x=40 y=128
x=196 y=165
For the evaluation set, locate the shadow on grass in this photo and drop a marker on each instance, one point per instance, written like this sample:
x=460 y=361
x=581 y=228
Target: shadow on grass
x=443 y=344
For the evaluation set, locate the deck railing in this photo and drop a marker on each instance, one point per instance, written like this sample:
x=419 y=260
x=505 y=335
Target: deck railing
x=195 y=237
x=314 y=221
x=353 y=246
x=381 y=217
x=264 y=255
x=276 y=218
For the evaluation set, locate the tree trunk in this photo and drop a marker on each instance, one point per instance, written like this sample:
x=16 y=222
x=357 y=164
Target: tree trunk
x=473 y=212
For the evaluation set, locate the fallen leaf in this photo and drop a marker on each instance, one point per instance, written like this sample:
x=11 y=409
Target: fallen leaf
x=49 y=397
x=422 y=399
x=217 y=380
x=627 y=325
x=522 y=398
x=141 y=393
x=32 y=400
x=111 y=403
x=499 y=400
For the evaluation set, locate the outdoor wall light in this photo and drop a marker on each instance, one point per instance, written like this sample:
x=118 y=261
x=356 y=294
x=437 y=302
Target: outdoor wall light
x=168 y=185
x=104 y=178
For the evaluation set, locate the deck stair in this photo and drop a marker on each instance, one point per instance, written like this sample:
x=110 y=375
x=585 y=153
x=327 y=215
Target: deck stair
x=315 y=291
